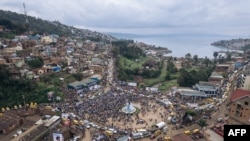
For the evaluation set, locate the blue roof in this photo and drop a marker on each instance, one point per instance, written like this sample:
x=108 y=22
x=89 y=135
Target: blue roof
x=56 y=69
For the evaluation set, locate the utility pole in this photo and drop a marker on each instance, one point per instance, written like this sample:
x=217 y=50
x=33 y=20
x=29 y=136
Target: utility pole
x=26 y=19
x=24 y=101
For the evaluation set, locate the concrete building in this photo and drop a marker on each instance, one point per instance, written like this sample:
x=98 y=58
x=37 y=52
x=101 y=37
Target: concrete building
x=189 y=94
x=222 y=68
x=46 y=39
x=85 y=83
x=216 y=78
x=239 y=106
x=241 y=81
x=207 y=88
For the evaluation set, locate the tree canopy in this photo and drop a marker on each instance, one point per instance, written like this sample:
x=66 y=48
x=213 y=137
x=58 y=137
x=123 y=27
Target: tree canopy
x=124 y=48
x=189 y=78
x=35 y=62
x=16 y=91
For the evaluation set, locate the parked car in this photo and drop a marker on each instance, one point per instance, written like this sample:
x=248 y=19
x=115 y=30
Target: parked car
x=156 y=133
x=86 y=125
x=140 y=121
x=146 y=134
x=112 y=130
x=220 y=120
x=137 y=135
x=19 y=132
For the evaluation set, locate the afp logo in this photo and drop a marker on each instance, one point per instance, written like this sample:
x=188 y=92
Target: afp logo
x=233 y=132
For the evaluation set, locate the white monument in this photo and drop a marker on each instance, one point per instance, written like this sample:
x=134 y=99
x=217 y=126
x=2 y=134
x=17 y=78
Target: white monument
x=129 y=108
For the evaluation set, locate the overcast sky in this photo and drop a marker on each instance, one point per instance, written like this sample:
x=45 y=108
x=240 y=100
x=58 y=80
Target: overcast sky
x=230 y=17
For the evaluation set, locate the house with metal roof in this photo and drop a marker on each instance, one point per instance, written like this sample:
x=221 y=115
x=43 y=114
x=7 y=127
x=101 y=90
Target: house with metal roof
x=207 y=88
x=190 y=93
x=85 y=83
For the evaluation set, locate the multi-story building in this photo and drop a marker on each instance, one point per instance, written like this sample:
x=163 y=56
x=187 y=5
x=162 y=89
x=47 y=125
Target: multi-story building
x=223 y=68
x=46 y=39
x=239 y=106
x=216 y=78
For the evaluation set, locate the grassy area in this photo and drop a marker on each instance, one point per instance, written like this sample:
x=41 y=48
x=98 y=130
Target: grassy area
x=163 y=84
x=167 y=85
x=161 y=78
x=131 y=64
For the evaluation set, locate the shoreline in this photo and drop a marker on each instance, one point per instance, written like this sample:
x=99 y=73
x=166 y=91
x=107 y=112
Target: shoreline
x=181 y=46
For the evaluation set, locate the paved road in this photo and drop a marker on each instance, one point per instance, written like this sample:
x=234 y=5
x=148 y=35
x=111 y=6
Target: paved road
x=213 y=136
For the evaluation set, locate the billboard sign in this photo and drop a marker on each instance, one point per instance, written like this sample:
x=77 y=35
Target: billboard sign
x=58 y=137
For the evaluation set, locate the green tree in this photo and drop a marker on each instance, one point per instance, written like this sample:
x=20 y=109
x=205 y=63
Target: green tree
x=229 y=58
x=202 y=123
x=78 y=76
x=168 y=76
x=171 y=67
x=4 y=75
x=184 y=78
x=202 y=75
x=36 y=62
x=192 y=112
x=195 y=58
x=206 y=61
x=221 y=59
x=215 y=54
x=188 y=56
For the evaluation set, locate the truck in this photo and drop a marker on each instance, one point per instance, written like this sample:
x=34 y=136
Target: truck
x=160 y=125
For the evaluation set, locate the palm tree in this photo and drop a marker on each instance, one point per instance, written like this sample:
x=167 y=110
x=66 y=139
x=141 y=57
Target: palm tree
x=215 y=56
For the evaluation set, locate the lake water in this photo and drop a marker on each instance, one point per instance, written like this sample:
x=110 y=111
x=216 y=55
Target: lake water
x=183 y=44
x=180 y=46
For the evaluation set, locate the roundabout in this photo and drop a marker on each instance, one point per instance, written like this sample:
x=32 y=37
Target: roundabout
x=129 y=108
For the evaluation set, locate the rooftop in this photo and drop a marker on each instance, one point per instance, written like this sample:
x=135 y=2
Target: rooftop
x=205 y=85
x=190 y=92
x=8 y=120
x=239 y=93
x=84 y=83
x=223 y=65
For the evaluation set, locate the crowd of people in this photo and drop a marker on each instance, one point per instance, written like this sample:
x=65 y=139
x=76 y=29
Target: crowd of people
x=105 y=109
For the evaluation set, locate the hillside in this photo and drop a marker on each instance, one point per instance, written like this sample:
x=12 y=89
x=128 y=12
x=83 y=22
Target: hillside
x=41 y=26
x=238 y=44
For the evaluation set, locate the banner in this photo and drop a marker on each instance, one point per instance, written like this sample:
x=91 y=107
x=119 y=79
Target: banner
x=57 y=137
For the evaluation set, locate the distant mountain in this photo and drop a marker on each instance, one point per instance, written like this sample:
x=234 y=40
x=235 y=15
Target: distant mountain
x=40 y=26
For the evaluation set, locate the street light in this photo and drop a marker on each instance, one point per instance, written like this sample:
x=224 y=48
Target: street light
x=24 y=100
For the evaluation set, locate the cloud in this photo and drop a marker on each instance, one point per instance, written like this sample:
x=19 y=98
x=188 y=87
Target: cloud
x=146 y=16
